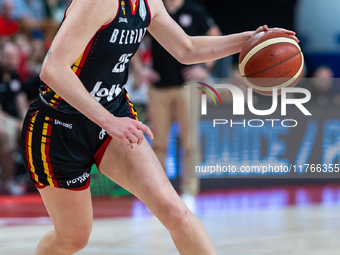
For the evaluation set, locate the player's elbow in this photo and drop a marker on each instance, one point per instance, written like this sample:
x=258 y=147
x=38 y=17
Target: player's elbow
x=185 y=57
x=45 y=73
x=49 y=72
x=181 y=60
x=185 y=53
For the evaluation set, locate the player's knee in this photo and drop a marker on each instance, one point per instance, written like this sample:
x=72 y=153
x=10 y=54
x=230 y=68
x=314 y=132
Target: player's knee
x=79 y=243
x=74 y=242
x=177 y=216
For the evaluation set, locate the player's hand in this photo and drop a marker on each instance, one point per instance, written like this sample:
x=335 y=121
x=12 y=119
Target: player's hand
x=292 y=34
x=147 y=75
x=128 y=130
x=194 y=72
x=265 y=29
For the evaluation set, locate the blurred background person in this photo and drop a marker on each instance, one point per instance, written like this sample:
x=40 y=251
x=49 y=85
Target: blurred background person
x=29 y=9
x=35 y=18
x=55 y=9
x=8 y=25
x=321 y=89
x=28 y=13
x=25 y=50
x=169 y=96
x=318 y=24
x=13 y=106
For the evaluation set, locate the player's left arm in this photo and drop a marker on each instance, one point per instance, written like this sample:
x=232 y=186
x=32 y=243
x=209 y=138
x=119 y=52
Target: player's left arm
x=197 y=49
x=214 y=30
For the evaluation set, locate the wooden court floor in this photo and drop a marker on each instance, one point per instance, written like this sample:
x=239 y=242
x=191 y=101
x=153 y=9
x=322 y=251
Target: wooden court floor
x=263 y=222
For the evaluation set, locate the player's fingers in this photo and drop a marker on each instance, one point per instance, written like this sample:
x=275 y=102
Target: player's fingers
x=137 y=134
x=289 y=32
x=127 y=142
x=131 y=137
x=140 y=136
x=145 y=129
x=263 y=28
x=260 y=29
x=296 y=39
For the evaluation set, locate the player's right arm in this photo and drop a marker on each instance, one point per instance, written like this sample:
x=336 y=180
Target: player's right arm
x=84 y=19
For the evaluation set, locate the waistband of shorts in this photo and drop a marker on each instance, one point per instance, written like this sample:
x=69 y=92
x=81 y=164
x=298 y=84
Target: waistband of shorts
x=59 y=114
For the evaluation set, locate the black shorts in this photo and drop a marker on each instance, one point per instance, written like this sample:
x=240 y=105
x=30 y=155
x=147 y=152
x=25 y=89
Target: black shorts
x=59 y=149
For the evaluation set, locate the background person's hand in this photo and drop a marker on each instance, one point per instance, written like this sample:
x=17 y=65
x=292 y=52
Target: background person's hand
x=128 y=130
x=195 y=72
x=146 y=75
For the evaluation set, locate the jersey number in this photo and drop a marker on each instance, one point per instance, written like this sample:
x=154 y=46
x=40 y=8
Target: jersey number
x=123 y=60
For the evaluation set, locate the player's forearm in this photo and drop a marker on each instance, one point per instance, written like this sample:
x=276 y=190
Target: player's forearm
x=209 y=48
x=213 y=31
x=65 y=83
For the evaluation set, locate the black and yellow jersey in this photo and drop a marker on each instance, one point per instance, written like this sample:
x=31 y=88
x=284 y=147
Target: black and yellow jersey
x=103 y=67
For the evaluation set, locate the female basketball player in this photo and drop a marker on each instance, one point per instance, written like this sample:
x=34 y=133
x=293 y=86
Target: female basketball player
x=83 y=116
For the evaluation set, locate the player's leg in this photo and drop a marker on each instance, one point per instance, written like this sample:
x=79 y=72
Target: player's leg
x=71 y=213
x=159 y=110
x=139 y=171
x=56 y=156
x=187 y=114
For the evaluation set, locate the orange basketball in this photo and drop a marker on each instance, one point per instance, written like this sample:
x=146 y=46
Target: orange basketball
x=271 y=59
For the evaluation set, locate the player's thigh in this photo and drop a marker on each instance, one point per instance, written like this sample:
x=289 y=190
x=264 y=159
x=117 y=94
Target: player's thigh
x=71 y=211
x=139 y=171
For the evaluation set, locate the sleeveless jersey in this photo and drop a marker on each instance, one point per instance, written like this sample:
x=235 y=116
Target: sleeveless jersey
x=103 y=67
